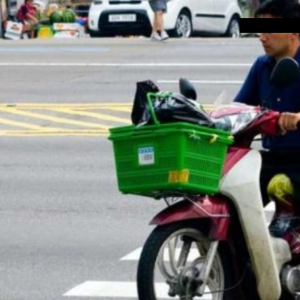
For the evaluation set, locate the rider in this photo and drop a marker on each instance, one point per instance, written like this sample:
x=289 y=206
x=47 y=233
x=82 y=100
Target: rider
x=283 y=155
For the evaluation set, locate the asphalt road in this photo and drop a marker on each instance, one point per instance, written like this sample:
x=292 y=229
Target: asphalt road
x=63 y=224
x=107 y=70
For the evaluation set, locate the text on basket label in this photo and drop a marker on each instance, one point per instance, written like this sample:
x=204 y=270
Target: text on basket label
x=146 y=156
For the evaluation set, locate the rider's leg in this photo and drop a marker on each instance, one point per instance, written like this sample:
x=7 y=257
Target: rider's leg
x=268 y=171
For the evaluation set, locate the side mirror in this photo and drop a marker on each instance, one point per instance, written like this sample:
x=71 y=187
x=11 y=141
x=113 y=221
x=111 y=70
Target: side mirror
x=187 y=89
x=285 y=71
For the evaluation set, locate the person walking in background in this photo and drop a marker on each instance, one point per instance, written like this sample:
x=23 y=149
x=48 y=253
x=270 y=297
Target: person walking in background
x=159 y=7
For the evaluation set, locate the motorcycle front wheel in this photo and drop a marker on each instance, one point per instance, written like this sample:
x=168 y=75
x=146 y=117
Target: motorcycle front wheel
x=175 y=253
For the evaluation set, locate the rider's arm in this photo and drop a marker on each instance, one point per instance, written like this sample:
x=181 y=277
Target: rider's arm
x=249 y=93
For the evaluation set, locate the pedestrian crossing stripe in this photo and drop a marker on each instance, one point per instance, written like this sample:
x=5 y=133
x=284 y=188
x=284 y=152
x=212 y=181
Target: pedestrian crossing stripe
x=63 y=119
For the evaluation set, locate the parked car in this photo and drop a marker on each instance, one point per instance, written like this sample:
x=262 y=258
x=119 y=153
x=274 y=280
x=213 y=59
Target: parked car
x=183 y=19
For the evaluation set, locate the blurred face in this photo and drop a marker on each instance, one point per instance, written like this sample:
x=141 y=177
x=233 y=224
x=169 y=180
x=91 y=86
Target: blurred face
x=279 y=45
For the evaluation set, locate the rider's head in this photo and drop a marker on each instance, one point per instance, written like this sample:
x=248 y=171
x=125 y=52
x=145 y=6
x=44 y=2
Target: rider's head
x=280 y=45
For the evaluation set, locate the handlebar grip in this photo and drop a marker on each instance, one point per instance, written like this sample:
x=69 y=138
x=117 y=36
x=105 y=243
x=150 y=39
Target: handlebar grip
x=270 y=123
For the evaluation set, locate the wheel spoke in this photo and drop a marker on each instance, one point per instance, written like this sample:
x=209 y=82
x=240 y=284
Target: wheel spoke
x=184 y=253
x=172 y=249
x=162 y=267
x=213 y=287
x=202 y=250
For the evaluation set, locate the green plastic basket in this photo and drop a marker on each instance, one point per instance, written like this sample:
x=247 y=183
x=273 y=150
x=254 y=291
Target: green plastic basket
x=164 y=159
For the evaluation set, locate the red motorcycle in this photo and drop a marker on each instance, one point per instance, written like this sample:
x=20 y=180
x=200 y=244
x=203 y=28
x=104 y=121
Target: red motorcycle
x=220 y=247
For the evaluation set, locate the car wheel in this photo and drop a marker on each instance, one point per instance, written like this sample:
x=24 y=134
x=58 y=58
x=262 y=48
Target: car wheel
x=97 y=34
x=94 y=34
x=184 y=26
x=233 y=29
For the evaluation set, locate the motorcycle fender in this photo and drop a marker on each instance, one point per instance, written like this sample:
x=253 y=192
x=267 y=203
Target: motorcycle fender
x=186 y=210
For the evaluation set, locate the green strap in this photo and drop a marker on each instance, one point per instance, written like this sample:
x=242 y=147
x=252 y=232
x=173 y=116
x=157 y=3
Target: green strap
x=160 y=95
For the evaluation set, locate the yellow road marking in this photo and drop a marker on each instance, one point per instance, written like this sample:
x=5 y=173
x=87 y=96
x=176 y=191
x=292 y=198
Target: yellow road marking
x=87 y=106
x=25 y=125
x=123 y=109
x=92 y=115
x=65 y=105
x=51 y=118
x=53 y=133
x=81 y=109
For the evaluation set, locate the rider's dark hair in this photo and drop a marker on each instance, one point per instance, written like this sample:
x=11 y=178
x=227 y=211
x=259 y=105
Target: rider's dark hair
x=279 y=8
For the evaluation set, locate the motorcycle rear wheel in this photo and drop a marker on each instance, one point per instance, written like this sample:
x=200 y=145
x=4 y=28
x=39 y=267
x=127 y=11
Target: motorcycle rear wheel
x=157 y=266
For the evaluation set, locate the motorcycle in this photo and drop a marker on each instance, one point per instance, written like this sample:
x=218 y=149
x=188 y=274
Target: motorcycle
x=220 y=246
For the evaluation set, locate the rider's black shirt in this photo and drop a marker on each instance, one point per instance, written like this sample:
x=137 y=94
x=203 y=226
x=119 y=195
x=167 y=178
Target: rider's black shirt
x=283 y=99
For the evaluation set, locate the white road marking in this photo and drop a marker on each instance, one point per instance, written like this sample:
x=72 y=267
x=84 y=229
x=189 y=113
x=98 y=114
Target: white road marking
x=135 y=255
x=139 y=65
x=204 y=81
x=104 y=289
x=117 y=289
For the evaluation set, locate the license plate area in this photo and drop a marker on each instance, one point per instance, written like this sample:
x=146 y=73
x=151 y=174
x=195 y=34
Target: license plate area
x=122 y=18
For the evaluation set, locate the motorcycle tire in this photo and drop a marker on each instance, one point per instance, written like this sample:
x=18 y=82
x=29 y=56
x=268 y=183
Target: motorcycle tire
x=150 y=253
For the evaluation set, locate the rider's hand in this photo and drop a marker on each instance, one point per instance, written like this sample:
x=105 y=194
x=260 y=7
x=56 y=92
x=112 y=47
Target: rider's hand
x=288 y=122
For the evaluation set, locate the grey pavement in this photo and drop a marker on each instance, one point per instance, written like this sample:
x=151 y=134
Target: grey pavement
x=85 y=81
x=62 y=220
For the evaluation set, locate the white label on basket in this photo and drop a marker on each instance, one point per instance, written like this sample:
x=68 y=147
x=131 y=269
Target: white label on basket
x=146 y=156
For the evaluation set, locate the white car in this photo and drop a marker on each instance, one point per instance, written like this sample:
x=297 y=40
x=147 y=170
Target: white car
x=183 y=19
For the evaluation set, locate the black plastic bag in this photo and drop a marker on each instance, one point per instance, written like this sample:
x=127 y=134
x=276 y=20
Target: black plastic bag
x=177 y=108
x=168 y=107
x=140 y=100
